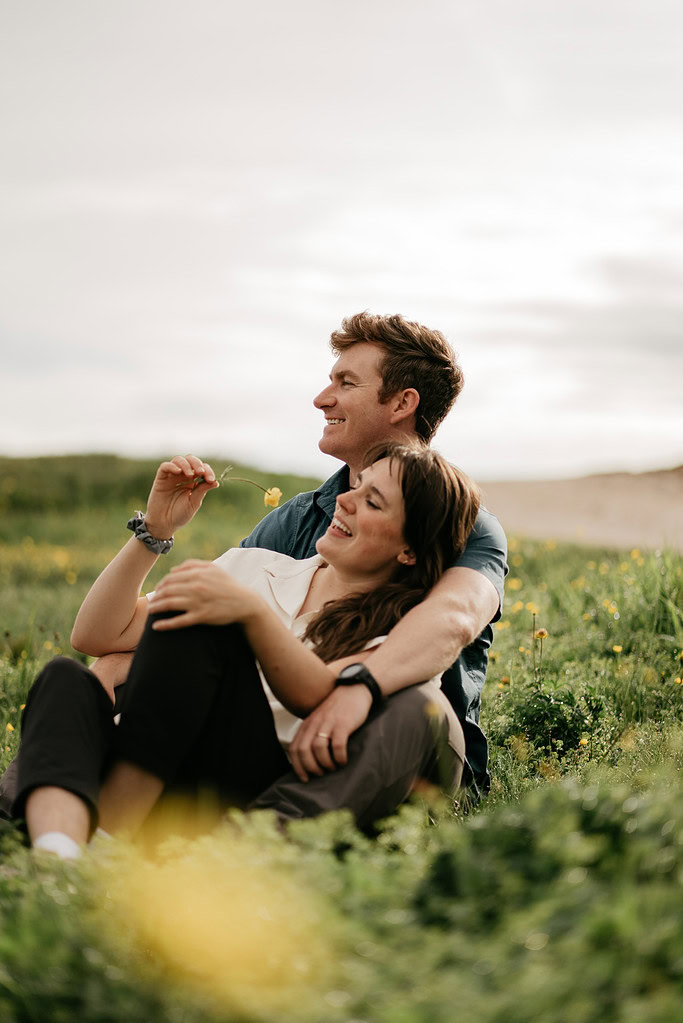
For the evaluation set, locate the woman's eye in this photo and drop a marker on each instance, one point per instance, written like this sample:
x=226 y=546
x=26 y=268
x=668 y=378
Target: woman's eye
x=371 y=504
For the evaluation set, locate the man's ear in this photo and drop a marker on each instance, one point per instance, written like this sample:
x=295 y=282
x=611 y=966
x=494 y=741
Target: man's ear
x=406 y=557
x=404 y=404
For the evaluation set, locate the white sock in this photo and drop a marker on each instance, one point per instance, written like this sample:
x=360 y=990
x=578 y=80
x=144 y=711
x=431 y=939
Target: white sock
x=60 y=844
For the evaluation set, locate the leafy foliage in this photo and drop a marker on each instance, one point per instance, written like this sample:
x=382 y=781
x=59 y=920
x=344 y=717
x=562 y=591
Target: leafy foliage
x=558 y=898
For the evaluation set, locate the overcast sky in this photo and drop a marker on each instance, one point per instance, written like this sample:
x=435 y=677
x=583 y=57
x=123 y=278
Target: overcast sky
x=193 y=194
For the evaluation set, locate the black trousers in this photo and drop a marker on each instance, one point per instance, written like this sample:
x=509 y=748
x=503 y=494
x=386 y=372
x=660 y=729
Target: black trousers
x=194 y=714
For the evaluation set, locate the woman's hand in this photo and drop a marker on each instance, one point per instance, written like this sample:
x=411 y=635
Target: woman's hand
x=175 y=497
x=205 y=594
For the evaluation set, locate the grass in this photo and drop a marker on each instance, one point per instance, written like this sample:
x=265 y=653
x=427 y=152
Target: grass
x=558 y=898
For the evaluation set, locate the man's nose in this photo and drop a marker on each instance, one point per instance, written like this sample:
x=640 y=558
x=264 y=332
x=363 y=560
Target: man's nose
x=325 y=398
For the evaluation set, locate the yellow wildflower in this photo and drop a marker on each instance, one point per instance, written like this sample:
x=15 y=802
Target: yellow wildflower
x=516 y=607
x=617 y=648
x=515 y=584
x=541 y=633
x=635 y=554
x=272 y=496
x=534 y=608
x=583 y=742
x=504 y=681
x=678 y=681
x=10 y=728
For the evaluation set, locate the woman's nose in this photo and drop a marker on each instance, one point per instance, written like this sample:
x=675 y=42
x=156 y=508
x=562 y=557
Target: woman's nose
x=345 y=501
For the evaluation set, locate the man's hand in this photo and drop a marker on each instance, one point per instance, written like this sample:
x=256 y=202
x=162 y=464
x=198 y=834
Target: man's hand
x=112 y=670
x=320 y=743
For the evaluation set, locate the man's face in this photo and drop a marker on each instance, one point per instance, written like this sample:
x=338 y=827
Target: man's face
x=355 y=419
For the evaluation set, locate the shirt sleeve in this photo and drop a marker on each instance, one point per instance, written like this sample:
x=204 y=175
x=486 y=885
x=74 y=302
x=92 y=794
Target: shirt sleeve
x=486 y=552
x=277 y=530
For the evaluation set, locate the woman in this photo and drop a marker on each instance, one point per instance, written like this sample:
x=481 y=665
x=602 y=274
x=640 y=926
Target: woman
x=198 y=709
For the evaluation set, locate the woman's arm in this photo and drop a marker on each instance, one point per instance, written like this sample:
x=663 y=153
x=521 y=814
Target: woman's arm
x=113 y=614
x=206 y=594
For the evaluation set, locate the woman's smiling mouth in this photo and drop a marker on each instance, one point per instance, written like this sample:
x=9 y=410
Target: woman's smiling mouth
x=339 y=525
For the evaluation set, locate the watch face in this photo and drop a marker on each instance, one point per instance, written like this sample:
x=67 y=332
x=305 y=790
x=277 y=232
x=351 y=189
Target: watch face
x=351 y=670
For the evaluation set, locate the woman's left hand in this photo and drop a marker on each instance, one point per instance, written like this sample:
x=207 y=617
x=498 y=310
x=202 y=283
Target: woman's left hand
x=320 y=744
x=204 y=594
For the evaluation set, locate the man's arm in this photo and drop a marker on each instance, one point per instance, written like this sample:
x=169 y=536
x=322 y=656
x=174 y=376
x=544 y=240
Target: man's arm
x=423 y=644
x=435 y=632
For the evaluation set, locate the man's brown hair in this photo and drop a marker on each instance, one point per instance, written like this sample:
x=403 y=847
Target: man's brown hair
x=414 y=356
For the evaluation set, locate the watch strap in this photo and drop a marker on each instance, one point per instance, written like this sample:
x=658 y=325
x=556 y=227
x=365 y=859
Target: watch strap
x=362 y=676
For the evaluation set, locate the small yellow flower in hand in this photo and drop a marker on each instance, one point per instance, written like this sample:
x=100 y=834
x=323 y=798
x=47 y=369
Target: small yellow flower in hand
x=272 y=496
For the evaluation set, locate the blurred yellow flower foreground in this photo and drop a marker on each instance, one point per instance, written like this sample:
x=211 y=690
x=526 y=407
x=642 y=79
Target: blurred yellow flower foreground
x=239 y=930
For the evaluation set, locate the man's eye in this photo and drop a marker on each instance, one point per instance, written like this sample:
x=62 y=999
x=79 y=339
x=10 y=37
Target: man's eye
x=346 y=383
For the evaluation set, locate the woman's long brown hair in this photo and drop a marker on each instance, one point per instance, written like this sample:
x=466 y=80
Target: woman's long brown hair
x=441 y=505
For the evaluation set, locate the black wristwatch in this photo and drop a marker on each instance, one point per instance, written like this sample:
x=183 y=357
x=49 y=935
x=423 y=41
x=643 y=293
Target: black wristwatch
x=353 y=674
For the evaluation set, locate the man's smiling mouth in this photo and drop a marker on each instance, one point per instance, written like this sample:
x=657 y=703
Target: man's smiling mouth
x=333 y=422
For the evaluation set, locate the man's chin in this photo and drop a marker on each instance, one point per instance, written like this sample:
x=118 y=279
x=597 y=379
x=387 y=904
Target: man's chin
x=328 y=447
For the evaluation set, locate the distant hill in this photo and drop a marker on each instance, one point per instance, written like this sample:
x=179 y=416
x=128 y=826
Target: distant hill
x=617 y=509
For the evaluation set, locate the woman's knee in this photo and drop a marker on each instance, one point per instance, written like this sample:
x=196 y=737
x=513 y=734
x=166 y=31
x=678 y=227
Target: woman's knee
x=63 y=680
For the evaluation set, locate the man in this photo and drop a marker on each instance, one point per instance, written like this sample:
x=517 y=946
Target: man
x=395 y=379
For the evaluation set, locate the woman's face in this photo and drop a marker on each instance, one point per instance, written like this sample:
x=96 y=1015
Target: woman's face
x=365 y=537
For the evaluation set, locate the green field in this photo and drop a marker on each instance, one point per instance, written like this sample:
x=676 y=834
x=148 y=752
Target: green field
x=557 y=899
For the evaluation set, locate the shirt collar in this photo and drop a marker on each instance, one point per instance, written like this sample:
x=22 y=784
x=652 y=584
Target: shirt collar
x=325 y=496
x=290 y=580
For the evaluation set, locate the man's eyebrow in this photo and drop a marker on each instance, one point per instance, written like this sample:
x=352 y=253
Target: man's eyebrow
x=344 y=373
